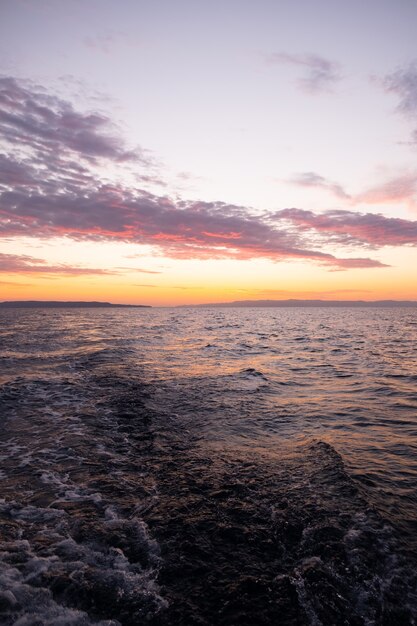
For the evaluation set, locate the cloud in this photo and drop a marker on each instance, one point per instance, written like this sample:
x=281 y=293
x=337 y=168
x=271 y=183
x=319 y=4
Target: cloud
x=103 y=42
x=52 y=188
x=107 y=42
x=185 y=230
x=48 y=125
x=10 y=283
x=321 y=75
x=139 y=285
x=138 y=269
x=400 y=189
x=13 y=173
x=403 y=83
x=361 y=263
x=189 y=230
x=313 y=180
x=24 y=264
x=353 y=228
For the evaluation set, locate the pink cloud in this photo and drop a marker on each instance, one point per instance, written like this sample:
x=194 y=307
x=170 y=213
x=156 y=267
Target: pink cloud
x=139 y=270
x=320 y=74
x=194 y=230
x=24 y=264
x=314 y=180
x=49 y=125
x=399 y=189
x=51 y=189
x=403 y=83
x=353 y=228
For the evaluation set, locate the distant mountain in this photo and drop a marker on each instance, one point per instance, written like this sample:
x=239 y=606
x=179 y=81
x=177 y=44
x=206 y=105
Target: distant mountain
x=314 y=303
x=56 y=304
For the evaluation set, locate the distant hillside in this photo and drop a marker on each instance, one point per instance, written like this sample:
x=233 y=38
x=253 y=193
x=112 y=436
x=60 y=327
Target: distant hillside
x=55 y=304
x=315 y=303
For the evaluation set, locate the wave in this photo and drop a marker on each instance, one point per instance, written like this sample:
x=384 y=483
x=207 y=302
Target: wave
x=151 y=480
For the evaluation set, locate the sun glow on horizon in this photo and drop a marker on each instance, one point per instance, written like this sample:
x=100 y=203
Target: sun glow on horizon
x=285 y=172
x=160 y=281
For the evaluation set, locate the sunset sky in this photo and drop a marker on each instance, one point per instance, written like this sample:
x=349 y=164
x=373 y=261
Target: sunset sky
x=181 y=151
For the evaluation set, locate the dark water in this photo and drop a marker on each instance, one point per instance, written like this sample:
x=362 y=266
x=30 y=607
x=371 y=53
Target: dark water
x=235 y=466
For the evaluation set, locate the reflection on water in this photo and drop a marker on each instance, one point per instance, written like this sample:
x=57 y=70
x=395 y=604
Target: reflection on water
x=230 y=466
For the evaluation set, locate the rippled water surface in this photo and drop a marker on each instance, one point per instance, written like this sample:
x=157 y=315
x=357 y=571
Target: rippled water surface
x=208 y=466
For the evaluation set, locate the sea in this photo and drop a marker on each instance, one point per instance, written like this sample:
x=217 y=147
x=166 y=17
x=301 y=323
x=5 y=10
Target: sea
x=208 y=466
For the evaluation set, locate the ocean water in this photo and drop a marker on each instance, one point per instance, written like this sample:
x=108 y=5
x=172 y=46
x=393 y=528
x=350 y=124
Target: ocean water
x=208 y=466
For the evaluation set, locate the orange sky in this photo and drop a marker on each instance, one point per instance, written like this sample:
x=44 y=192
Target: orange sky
x=199 y=281
x=140 y=164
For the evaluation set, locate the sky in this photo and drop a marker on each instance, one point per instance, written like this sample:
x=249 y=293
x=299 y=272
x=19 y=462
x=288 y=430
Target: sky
x=184 y=152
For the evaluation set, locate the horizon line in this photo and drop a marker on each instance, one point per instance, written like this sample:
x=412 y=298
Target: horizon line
x=302 y=302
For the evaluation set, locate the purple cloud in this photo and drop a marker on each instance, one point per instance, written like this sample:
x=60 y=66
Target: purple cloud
x=321 y=74
x=400 y=189
x=352 y=228
x=51 y=189
x=49 y=125
x=24 y=264
x=189 y=230
x=313 y=180
x=103 y=42
x=106 y=42
x=403 y=83
x=14 y=173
